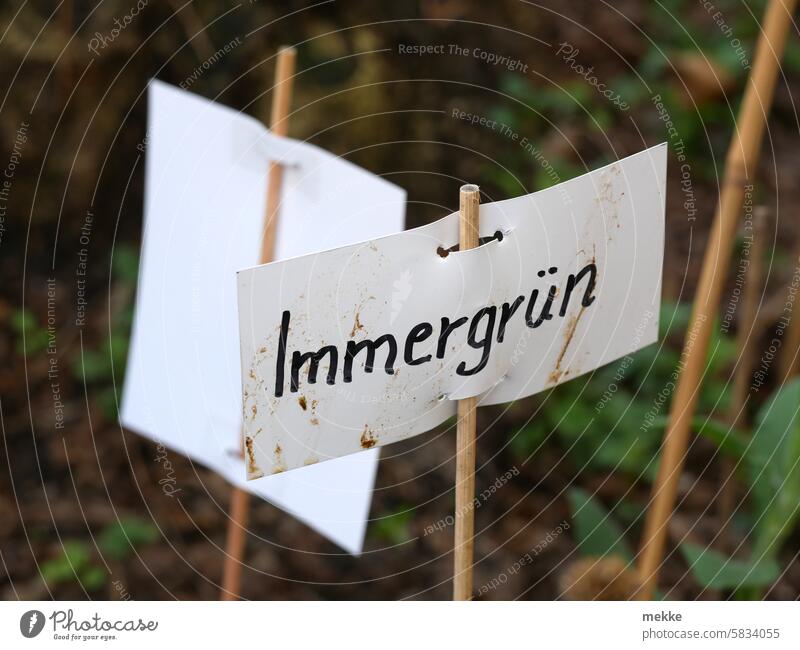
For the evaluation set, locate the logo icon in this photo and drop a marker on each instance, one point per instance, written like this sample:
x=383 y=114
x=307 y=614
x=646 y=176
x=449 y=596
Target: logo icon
x=402 y=290
x=31 y=623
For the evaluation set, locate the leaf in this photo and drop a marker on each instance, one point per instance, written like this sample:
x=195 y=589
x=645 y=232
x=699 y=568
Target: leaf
x=119 y=539
x=728 y=440
x=30 y=337
x=394 y=527
x=529 y=438
x=22 y=320
x=673 y=318
x=575 y=417
x=74 y=557
x=125 y=264
x=76 y=554
x=774 y=467
x=57 y=571
x=713 y=570
x=99 y=364
x=92 y=578
x=597 y=533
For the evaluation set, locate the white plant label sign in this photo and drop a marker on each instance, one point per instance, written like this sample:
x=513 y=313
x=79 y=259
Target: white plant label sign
x=372 y=343
x=205 y=195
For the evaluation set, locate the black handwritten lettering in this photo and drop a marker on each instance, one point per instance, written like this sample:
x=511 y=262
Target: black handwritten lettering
x=485 y=343
x=353 y=348
x=417 y=334
x=314 y=358
x=480 y=335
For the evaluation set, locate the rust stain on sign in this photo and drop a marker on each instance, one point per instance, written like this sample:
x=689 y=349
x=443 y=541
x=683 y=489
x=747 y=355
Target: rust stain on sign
x=252 y=467
x=279 y=466
x=557 y=373
x=356 y=325
x=302 y=402
x=368 y=438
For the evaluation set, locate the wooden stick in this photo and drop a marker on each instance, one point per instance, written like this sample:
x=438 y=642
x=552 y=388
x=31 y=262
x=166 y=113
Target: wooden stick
x=281 y=101
x=790 y=357
x=465 y=431
x=746 y=340
x=279 y=125
x=739 y=167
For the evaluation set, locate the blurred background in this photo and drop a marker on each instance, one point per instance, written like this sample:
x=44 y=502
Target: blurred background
x=81 y=512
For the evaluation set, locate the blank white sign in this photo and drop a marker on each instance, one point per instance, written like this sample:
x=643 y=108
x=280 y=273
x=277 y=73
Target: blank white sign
x=206 y=171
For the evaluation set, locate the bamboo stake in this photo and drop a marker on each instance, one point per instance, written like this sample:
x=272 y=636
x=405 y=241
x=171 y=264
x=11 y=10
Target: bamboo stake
x=279 y=125
x=790 y=357
x=739 y=167
x=465 y=432
x=746 y=339
x=281 y=101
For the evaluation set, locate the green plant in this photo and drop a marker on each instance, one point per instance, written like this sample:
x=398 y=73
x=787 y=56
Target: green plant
x=120 y=538
x=96 y=365
x=773 y=464
x=770 y=465
x=74 y=563
x=116 y=540
x=614 y=420
x=596 y=532
x=31 y=337
x=715 y=570
x=125 y=264
x=107 y=361
x=394 y=526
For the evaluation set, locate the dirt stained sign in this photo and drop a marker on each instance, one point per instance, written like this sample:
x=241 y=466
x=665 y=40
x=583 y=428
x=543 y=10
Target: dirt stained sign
x=375 y=342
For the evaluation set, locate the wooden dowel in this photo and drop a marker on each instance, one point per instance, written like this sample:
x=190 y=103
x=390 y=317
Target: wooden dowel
x=739 y=167
x=746 y=342
x=279 y=125
x=465 y=430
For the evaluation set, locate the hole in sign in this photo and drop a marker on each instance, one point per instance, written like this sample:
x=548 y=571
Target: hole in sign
x=444 y=252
